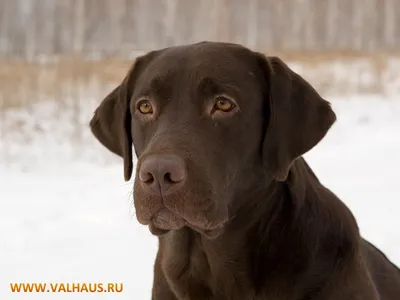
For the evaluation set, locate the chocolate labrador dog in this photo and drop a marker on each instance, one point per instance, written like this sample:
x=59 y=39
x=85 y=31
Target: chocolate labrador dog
x=219 y=132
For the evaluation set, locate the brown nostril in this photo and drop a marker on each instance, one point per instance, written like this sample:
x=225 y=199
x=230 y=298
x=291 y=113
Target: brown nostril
x=178 y=174
x=167 y=178
x=161 y=172
x=147 y=177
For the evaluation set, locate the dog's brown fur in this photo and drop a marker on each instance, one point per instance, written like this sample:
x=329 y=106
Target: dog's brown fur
x=250 y=220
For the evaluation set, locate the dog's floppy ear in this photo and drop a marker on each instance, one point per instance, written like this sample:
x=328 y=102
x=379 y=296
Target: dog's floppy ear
x=298 y=117
x=111 y=123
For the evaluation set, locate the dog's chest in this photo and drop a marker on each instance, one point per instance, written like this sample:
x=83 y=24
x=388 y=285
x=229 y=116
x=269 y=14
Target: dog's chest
x=193 y=273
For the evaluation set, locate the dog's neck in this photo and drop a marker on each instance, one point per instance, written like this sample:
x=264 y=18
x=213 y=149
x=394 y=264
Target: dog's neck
x=279 y=233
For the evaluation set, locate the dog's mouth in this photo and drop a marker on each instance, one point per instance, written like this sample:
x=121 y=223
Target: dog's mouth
x=165 y=220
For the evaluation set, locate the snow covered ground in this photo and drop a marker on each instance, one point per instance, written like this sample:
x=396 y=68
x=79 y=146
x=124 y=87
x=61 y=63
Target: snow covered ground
x=68 y=217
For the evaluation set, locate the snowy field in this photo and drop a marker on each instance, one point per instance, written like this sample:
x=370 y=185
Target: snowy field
x=68 y=217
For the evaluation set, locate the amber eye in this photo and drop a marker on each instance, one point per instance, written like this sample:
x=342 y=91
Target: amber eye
x=145 y=107
x=223 y=104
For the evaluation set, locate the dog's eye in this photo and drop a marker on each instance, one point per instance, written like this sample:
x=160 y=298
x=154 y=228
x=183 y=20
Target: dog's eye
x=223 y=104
x=145 y=107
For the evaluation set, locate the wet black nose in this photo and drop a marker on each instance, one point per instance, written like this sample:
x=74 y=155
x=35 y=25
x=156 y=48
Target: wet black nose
x=162 y=173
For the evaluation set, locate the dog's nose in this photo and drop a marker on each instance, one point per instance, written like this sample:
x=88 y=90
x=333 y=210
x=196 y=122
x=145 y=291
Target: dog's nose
x=162 y=173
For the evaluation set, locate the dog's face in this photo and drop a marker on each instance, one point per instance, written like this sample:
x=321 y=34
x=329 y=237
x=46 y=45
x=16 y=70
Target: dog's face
x=207 y=122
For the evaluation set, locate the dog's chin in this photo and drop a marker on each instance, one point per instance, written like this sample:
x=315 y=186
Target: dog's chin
x=208 y=233
x=165 y=221
x=160 y=227
x=157 y=231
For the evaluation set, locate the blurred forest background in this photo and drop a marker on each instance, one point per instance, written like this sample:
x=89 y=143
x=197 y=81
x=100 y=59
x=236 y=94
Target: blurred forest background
x=61 y=57
x=31 y=28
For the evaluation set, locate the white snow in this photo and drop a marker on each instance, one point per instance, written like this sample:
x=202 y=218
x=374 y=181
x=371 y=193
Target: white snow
x=66 y=214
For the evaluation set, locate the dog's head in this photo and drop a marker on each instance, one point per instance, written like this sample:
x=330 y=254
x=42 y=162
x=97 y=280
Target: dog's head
x=208 y=121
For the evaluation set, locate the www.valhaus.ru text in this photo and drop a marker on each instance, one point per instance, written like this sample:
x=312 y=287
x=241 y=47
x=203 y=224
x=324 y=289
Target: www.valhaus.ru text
x=34 y=287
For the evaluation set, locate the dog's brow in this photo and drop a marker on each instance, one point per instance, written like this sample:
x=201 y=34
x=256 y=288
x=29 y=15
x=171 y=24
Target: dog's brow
x=209 y=86
x=155 y=87
x=156 y=84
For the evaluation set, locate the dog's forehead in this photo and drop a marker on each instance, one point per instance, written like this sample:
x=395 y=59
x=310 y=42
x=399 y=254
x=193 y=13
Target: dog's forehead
x=202 y=61
x=209 y=54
